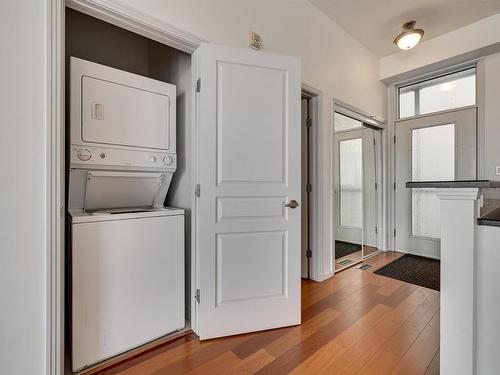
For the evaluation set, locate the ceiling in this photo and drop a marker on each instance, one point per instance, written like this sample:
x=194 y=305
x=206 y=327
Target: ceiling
x=375 y=23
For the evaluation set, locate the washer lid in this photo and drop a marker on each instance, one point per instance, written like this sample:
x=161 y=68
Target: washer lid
x=109 y=189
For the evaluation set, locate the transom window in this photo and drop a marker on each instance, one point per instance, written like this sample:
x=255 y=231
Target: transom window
x=439 y=94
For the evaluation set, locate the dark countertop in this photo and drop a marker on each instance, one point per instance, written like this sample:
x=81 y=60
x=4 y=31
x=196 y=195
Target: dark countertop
x=454 y=184
x=491 y=219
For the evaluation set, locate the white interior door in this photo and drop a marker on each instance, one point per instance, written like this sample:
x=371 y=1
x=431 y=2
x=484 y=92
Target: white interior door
x=430 y=148
x=248 y=241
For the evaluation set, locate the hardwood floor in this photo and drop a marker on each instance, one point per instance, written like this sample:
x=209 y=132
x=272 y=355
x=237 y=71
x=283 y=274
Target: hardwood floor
x=354 y=323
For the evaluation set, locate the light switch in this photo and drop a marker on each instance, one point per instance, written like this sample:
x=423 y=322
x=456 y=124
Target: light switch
x=497 y=170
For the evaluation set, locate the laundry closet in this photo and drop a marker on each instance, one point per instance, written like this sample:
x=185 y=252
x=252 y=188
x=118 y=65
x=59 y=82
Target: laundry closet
x=129 y=193
x=182 y=181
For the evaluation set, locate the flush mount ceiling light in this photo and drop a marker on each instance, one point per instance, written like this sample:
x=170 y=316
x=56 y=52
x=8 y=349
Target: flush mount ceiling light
x=409 y=37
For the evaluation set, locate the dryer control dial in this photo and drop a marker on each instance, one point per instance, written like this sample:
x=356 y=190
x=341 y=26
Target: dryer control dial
x=168 y=160
x=84 y=154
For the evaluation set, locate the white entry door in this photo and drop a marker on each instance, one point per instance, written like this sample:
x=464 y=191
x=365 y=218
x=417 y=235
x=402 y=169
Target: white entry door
x=437 y=147
x=248 y=240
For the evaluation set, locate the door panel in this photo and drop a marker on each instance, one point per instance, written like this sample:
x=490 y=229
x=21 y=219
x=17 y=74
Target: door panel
x=435 y=147
x=248 y=245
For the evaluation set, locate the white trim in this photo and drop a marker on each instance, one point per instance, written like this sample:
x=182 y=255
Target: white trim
x=391 y=168
x=457 y=193
x=310 y=91
x=194 y=201
x=481 y=119
x=451 y=110
x=131 y=19
x=358 y=114
x=318 y=201
x=419 y=253
x=55 y=188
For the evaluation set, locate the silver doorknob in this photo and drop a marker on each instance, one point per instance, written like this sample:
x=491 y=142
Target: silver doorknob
x=292 y=204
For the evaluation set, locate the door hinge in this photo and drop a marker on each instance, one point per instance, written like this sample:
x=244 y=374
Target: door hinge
x=309 y=122
x=394 y=185
x=197 y=295
x=309 y=188
x=376 y=186
x=197 y=190
x=376 y=230
x=394 y=139
x=374 y=142
x=309 y=253
x=394 y=232
x=198 y=85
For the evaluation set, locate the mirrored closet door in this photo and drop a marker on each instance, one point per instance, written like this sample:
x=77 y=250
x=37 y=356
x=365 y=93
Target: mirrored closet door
x=356 y=190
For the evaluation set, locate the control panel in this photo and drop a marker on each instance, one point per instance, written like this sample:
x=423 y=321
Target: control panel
x=95 y=156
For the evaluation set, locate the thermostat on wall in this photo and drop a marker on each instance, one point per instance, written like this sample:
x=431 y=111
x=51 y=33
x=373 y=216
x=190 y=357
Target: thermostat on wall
x=254 y=40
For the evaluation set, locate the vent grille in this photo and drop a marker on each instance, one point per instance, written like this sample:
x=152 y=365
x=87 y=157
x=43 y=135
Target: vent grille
x=365 y=267
x=344 y=262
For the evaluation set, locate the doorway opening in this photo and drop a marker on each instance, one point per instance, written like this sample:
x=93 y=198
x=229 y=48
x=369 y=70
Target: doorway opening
x=309 y=115
x=435 y=140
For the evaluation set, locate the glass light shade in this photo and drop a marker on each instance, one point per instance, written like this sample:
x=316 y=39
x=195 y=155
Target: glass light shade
x=409 y=38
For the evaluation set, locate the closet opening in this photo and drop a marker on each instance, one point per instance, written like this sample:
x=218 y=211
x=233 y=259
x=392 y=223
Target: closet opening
x=92 y=42
x=357 y=188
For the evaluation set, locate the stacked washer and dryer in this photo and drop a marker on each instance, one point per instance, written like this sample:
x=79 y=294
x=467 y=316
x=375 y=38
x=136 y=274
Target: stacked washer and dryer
x=127 y=249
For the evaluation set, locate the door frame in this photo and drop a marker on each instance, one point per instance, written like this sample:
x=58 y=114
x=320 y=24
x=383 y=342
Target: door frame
x=315 y=218
x=135 y=21
x=128 y=19
x=393 y=110
x=382 y=177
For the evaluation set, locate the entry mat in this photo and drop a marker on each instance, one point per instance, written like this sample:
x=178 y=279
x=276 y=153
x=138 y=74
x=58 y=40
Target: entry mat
x=343 y=249
x=413 y=269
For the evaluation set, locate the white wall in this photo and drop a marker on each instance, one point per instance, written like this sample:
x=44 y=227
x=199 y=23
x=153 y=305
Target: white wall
x=22 y=187
x=472 y=41
x=492 y=115
x=488 y=305
x=332 y=61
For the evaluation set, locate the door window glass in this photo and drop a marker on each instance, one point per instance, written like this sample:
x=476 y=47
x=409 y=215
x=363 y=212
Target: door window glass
x=433 y=159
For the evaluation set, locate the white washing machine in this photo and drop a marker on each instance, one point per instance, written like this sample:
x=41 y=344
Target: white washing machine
x=127 y=250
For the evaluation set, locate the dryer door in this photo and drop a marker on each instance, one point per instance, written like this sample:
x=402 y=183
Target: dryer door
x=121 y=115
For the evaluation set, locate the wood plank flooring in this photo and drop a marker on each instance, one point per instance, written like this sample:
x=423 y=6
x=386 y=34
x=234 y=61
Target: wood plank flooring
x=354 y=323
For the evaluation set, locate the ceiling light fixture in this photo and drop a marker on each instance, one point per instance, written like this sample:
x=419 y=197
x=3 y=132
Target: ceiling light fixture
x=409 y=37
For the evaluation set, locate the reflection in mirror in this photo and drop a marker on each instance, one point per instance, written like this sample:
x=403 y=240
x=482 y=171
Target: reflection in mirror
x=370 y=187
x=356 y=190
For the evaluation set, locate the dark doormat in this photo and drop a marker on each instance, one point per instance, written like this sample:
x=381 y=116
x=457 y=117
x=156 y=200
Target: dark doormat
x=413 y=269
x=343 y=249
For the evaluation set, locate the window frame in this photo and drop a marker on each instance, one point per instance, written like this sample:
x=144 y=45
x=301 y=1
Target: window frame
x=432 y=79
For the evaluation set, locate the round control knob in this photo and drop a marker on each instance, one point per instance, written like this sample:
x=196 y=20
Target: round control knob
x=103 y=155
x=153 y=159
x=84 y=154
x=168 y=160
